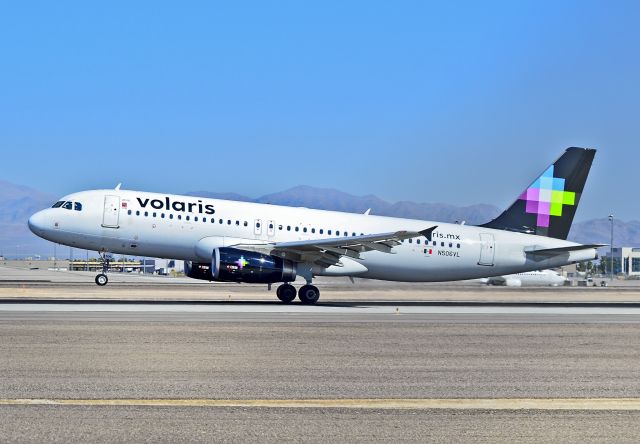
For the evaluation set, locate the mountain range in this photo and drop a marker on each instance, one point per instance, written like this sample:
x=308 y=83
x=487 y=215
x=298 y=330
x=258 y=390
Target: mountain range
x=588 y=231
x=18 y=202
x=328 y=199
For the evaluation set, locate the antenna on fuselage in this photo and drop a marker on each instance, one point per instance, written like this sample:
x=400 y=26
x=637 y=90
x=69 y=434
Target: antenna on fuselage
x=117 y=188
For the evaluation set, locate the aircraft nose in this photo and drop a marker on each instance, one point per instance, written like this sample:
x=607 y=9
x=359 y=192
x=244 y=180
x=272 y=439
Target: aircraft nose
x=37 y=223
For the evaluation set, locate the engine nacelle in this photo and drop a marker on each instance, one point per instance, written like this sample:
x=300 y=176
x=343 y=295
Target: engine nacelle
x=198 y=270
x=235 y=265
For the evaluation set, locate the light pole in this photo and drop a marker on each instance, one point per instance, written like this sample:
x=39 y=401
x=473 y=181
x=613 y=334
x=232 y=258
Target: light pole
x=611 y=248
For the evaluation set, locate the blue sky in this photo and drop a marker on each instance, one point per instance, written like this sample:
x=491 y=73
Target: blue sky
x=458 y=102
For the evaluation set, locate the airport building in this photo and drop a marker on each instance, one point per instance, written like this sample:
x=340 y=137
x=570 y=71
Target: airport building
x=626 y=260
x=163 y=267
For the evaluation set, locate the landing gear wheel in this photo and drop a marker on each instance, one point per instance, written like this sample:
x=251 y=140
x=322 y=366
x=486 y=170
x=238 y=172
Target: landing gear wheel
x=309 y=294
x=286 y=293
x=102 y=279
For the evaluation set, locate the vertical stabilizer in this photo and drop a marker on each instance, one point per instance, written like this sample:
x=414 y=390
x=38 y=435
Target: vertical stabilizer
x=548 y=205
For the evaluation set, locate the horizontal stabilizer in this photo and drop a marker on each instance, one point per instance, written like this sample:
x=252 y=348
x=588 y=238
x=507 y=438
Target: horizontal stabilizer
x=560 y=250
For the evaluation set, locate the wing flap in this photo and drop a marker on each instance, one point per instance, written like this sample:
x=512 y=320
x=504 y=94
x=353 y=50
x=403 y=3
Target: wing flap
x=383 y=239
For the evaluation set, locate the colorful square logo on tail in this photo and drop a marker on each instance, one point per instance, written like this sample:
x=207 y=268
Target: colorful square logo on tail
x=546 y=197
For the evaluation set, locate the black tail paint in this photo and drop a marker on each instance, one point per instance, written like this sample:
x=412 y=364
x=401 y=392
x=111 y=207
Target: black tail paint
x=548 y=205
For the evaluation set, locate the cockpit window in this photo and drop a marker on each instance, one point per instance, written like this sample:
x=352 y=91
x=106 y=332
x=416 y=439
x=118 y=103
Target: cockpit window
x=58 y=204
x=77 y=206
x=67 y=205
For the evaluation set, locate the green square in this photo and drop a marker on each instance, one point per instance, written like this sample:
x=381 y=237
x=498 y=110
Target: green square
x=555 y=209
x=557 y=196
x=569 y=198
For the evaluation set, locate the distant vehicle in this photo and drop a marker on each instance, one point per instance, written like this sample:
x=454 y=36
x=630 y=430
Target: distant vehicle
x=543 y=278
x=229 y=241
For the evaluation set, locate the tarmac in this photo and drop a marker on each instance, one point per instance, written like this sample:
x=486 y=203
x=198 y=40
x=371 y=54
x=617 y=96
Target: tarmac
x=162 y=359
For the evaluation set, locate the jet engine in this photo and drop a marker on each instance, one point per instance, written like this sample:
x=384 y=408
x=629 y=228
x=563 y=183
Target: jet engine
x=235 y=265
x=198 y=270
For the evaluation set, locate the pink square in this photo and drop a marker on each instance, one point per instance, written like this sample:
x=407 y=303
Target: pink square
x=544 y=207
x=533 y=194
x=543 y=220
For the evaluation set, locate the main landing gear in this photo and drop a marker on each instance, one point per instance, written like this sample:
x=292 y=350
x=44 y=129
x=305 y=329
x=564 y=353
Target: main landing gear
x=308 y=294
x=102 y=279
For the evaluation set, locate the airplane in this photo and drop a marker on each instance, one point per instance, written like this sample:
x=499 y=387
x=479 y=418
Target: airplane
x=544 y=278
x=229 y=241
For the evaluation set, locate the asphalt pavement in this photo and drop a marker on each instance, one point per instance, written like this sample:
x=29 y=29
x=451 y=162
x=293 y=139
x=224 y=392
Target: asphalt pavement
x=81 y=368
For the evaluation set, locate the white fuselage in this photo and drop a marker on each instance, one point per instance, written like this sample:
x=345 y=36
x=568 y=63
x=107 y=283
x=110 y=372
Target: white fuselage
x=188 y=228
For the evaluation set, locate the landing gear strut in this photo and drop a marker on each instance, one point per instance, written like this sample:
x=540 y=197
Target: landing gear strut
x=102 y=279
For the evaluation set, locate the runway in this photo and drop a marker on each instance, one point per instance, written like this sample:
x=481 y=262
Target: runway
x=203 y=372
x=547 y=366
x=573 y=404
x=384 y=312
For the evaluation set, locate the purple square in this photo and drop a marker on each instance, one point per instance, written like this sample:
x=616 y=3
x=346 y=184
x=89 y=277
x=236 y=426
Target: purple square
x=543 y=220
x=532 y=206
x=533 y=194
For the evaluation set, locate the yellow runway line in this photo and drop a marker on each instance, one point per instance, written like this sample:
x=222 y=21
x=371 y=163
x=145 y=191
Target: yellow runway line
x=422 y=404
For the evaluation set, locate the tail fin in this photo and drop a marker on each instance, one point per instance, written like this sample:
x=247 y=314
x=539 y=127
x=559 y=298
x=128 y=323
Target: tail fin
x=548 y=205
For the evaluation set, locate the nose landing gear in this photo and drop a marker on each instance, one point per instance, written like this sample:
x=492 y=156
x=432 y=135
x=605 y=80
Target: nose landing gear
x=102 y=279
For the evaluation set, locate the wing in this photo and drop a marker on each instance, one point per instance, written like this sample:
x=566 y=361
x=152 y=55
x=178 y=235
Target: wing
x=327 y=252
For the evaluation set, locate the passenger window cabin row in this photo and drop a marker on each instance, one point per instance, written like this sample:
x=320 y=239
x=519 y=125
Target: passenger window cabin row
x=238 y=223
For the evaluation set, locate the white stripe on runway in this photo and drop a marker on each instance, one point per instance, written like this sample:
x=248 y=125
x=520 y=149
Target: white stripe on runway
x=355 y=403
x=316 y=309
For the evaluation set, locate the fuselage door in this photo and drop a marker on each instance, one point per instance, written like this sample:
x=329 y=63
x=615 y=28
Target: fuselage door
x=111 y=215
x=271 y=228
x=257 y=227
x=487 y=249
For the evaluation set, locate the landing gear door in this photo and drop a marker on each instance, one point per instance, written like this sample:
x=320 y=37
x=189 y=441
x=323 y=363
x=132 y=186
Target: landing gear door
x=111 y=215
x=487 y=249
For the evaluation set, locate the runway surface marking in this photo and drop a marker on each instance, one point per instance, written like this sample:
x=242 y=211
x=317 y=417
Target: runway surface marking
x=405 y=403
x=317 y=309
